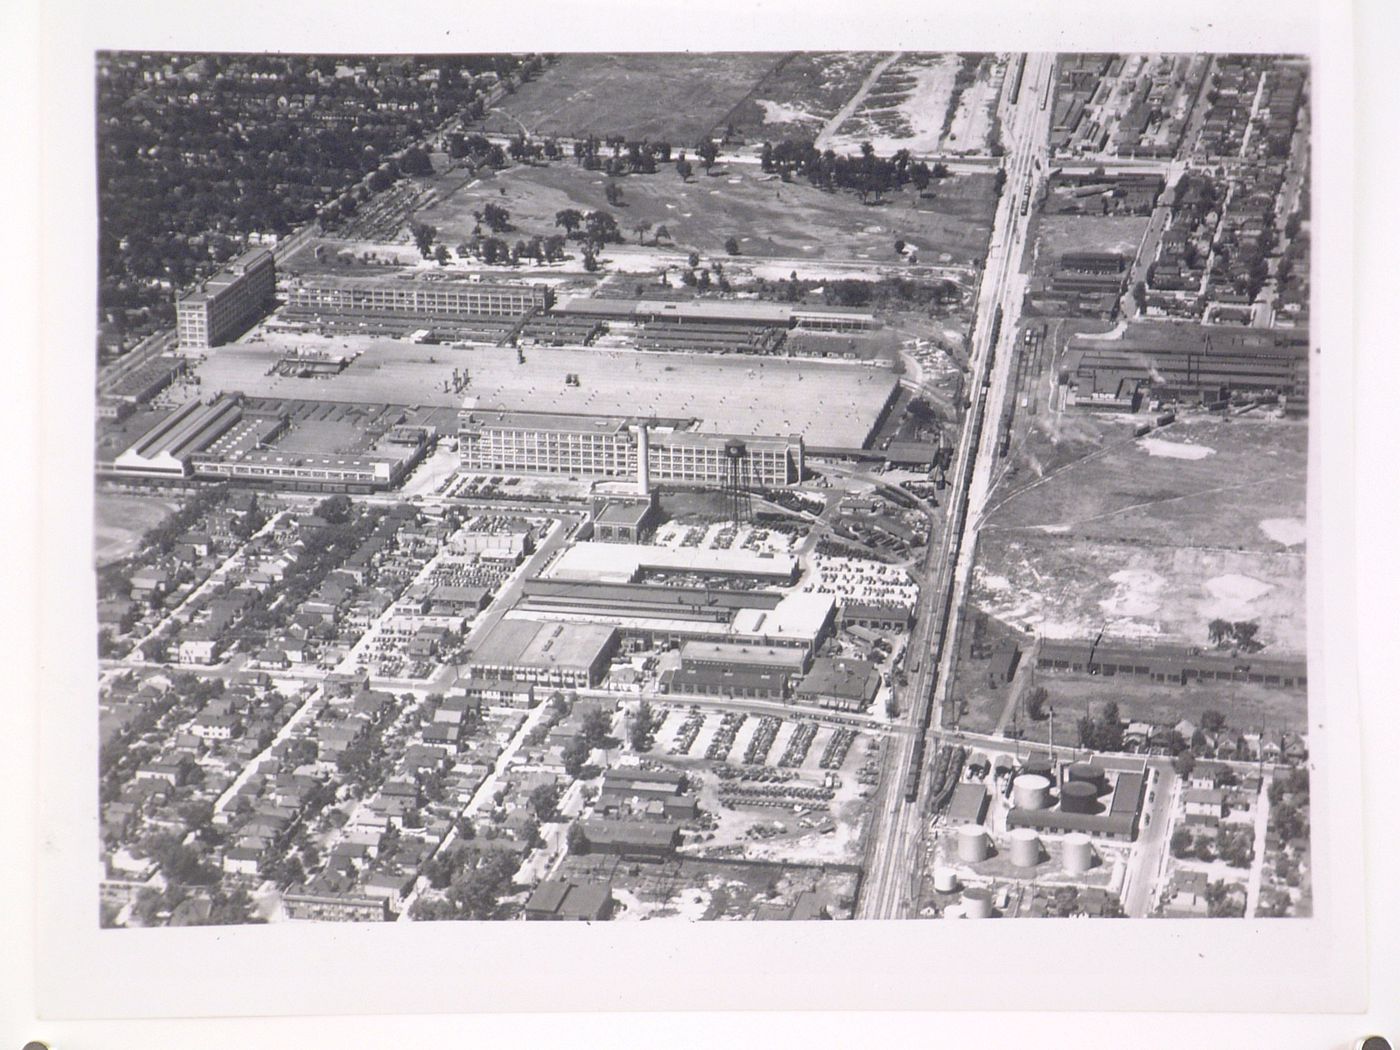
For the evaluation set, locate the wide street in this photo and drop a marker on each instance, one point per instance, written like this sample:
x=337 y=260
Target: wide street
x=890 y=886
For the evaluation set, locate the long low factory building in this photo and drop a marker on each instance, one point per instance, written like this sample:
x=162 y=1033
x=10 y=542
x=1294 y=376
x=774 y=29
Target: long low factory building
x=1191 y=362
x=662 y=615
x=551 y=653
x=415 y=298
x=719 y=312
x=608 y=447
x=1174 y=664
x=629 y=562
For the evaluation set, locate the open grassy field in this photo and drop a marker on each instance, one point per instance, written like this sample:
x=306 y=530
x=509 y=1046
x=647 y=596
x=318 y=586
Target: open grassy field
x=768 y=218
x=802 y=93
x=829 y=404
x=1151 y=537
x=677 y=97
x=1201 y=482
x=121 y=521
x=1081 y=233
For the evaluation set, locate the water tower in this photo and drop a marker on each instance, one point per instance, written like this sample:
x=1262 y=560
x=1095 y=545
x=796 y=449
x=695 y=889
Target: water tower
x=738 y=480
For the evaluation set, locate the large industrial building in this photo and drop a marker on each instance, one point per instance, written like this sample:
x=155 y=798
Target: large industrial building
x=1187 y=362
x=719 y=312
x=417 y=299
x=227 y=303
x=232 y=439
x=1177 y=665
x=549 y=653
x=660 y=615
x=607 y=447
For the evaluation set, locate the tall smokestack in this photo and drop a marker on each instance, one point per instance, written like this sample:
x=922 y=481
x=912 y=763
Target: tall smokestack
x=643 y=461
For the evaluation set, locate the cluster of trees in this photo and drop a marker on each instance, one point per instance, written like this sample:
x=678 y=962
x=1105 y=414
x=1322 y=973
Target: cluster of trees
x=641 y=728
x=1240 y=635
x=1104 y=731
x=616 y=155
x=476 y=889
x=476 y=148
x=868 y=174
x=1235 y=846
x=188 y=168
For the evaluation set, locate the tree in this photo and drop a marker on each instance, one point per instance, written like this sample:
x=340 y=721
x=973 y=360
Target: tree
x=1035 y=703
x=1140 y=296
x=1212 y=721
x=497 y=218
x=999 y=181
x=440 y=254
x=569 y=219
x=575 y=756
x=415 y=162
x=708 y=152
x=544 y=800
x=641 y=229
x=613 y=194
x=577 y=840
x=1184 y=763
x=1181 y=843
x=641 y=730
x=684 y=168
x=731 y=245
x=662 y=234
x=899 y=247
x=597 y=727
x=590 y=260
x=423 y=236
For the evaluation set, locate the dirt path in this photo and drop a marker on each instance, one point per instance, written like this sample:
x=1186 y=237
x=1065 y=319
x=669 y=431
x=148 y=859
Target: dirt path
x=845 y=112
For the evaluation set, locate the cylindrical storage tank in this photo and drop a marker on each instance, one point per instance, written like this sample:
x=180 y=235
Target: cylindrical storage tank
x=1079 y=852
x=1025 y=848
x=1084 y=772
x=945 y=880
x=1039 y=765
x=972 y=843
x=1079 y=796
x=1031 y=791
x=977 y=903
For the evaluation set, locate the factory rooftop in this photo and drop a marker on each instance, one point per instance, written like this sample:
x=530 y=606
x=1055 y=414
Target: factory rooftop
x=624 y=562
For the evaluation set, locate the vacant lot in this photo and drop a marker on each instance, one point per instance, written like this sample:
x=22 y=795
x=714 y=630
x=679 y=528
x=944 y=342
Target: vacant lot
x=1201 y=482
x=804 y=91
x=829 y=404
x=767 y=217
x=121 y=522
x=1077 y=233
x=674 y=98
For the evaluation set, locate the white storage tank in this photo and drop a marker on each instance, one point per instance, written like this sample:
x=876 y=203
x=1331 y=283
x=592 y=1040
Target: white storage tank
x=973 y=845
x=1031 y=791
x=977 y=903
x=1078 y=853
x=1025 y=848
x=945 y=880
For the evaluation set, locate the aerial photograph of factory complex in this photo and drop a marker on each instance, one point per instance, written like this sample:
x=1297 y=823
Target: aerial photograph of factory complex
x=693 y=486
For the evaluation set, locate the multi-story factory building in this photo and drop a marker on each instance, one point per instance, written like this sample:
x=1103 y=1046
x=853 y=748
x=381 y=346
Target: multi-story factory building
x=415 y=299
x=607 y=447
x=227 y=303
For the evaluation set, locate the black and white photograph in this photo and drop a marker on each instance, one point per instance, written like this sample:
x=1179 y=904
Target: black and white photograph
x=681 y=487
x=656 y=485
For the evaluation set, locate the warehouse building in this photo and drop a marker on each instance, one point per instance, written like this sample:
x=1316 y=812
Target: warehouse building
x=632 y=839
x=1188 y=362
x=416 y=299
x=658 y=615
x=228 y=303
x=608 y=447
x=1177 y=665
x=841 y=683
x=630 y=562
x=721 y=312
x=550 y=653
x=569 y=900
